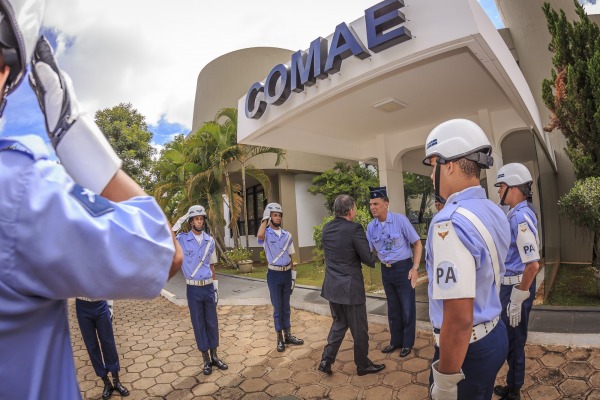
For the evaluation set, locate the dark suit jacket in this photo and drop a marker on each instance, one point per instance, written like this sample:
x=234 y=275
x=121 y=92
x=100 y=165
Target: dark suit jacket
x=345 y=246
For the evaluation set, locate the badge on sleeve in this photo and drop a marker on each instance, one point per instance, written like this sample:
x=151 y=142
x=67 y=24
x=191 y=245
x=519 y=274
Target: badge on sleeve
x=454 y=266
x=94 y=204
x=527 y=244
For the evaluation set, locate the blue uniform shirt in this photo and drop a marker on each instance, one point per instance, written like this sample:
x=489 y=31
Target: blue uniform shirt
x=274 y=244
x=392 y=240
x=193 y=251
x=486 y=304
x=59 y=240
x=521 y=213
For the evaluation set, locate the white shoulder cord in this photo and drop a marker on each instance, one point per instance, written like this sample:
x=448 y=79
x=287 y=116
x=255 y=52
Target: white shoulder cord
x=487 y=237
x=203 y=258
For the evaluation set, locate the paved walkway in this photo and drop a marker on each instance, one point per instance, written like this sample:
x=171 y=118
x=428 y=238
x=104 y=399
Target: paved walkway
x=565 y=326
x=159 y=358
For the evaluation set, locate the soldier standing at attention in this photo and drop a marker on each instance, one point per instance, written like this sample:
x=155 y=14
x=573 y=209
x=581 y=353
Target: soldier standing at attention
x=199 y=261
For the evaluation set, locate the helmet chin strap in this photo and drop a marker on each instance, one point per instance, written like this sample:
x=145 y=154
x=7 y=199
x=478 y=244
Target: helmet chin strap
x=502 y=203
x=438 y=196
x=275 y=225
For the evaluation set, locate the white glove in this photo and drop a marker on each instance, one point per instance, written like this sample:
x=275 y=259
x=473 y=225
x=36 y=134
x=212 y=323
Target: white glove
x=513 y=310
x=266 y=215
x=110 y=309
x=294 y=272
x=80 y=145
x=445 y=386
x=216 y=287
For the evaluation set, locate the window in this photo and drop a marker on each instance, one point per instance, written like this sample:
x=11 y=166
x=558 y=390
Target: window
x=255 y=205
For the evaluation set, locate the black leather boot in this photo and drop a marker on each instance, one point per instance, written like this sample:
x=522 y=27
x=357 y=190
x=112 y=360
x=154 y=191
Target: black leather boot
x=207 y=370
x=108 y=388
x=216 y=361
x=291 y=339
x=118 y=387
x=280 y=343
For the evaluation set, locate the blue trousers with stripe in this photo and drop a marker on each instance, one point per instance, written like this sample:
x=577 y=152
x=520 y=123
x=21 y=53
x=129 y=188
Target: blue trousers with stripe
x=517 y=337
x=280 y=290
x=203 y=311
x=97 y=333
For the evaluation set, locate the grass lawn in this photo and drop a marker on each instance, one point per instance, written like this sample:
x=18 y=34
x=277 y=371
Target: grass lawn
x=311 y=275
x=574 y=285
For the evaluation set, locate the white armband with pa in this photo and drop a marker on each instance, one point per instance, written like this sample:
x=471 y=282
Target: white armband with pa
x=87 y=156
x=454 y=266
x=527 y=244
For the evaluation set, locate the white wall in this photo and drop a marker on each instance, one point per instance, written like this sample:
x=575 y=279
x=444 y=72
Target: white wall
x=310 y=210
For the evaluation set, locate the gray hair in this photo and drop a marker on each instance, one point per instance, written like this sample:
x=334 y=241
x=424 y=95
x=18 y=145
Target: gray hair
x=342 y=205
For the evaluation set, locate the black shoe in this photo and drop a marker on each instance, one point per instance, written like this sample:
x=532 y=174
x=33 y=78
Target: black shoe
x=325 y=366
x=120 y=388
x=216 y=361
x=514 y=394
x=291 y=339
x=280 y=342
x=389 y=348
x=108 y=388
x=207 y=370
x=405 y=351
x=501 y=391
x=371 y=369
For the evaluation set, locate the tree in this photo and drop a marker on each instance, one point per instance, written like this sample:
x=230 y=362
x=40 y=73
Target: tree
x=345 y=178
x=573 y=93
x=581 y=205
x=245 y=153
x=416 y=186
x=128 y=134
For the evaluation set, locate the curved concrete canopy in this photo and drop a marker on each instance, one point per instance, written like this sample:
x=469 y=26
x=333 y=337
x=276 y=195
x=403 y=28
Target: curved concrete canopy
x=455 y=65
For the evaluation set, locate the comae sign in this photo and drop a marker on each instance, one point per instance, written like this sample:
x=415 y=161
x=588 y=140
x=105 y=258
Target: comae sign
x=318 y=63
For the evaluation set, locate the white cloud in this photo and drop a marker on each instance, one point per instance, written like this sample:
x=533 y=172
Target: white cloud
x=150 y=52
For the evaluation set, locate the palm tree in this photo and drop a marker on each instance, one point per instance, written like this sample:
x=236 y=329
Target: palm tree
x=245 y=153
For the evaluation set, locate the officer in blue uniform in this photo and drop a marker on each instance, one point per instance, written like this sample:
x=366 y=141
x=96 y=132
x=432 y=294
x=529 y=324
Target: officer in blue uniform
x=109 y=238
x=281 y=276
x=391 y=234
x=95 y=322
x=467 y=244
x=199 y=259
x=518 y=284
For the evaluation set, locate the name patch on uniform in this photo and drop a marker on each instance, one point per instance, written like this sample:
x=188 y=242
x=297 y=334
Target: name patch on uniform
x=94 y=204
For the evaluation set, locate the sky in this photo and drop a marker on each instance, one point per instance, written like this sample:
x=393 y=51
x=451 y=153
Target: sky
x=149 y=53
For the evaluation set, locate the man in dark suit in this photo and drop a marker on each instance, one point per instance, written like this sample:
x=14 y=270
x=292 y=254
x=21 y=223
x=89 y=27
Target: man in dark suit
x=345 y=246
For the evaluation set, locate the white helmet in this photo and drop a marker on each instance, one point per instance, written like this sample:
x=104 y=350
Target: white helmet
x=196 y=211
x=20 y=23
x=513 y=174
x=274 y=207
x=458 y=138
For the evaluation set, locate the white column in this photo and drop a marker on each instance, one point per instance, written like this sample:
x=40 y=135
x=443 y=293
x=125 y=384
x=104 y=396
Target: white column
x=390 y=175
x=485 y=122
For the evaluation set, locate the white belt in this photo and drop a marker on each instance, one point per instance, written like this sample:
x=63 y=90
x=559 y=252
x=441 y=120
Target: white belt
x=280 y=268
x=479 y=331
x=86 y=299
x=512 y=280
x=192 y=282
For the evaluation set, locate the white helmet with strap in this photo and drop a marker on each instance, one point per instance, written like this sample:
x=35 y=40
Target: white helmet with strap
x=514 y=175
x=274 y=207
x=196 y=211
x=20 y=23
x=456 y=139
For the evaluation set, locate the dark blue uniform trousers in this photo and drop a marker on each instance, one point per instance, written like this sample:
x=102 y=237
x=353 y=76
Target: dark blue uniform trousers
x=203 y=311
x=517 y=337
x=481 y=365
x=401 y=306
x=280 y=290
x=97 y=333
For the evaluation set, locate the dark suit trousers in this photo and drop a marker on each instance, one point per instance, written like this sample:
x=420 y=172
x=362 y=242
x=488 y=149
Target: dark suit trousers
x=401 y=304
x=348 y=316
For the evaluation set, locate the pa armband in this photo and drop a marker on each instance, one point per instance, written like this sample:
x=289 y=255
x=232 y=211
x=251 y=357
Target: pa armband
x=527 y=244
x=454 y=266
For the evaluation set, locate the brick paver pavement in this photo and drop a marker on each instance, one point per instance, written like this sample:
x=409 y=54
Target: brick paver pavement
x=159 y=360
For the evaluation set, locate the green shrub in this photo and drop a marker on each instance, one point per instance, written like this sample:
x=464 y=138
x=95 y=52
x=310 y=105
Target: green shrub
x=239 y=254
